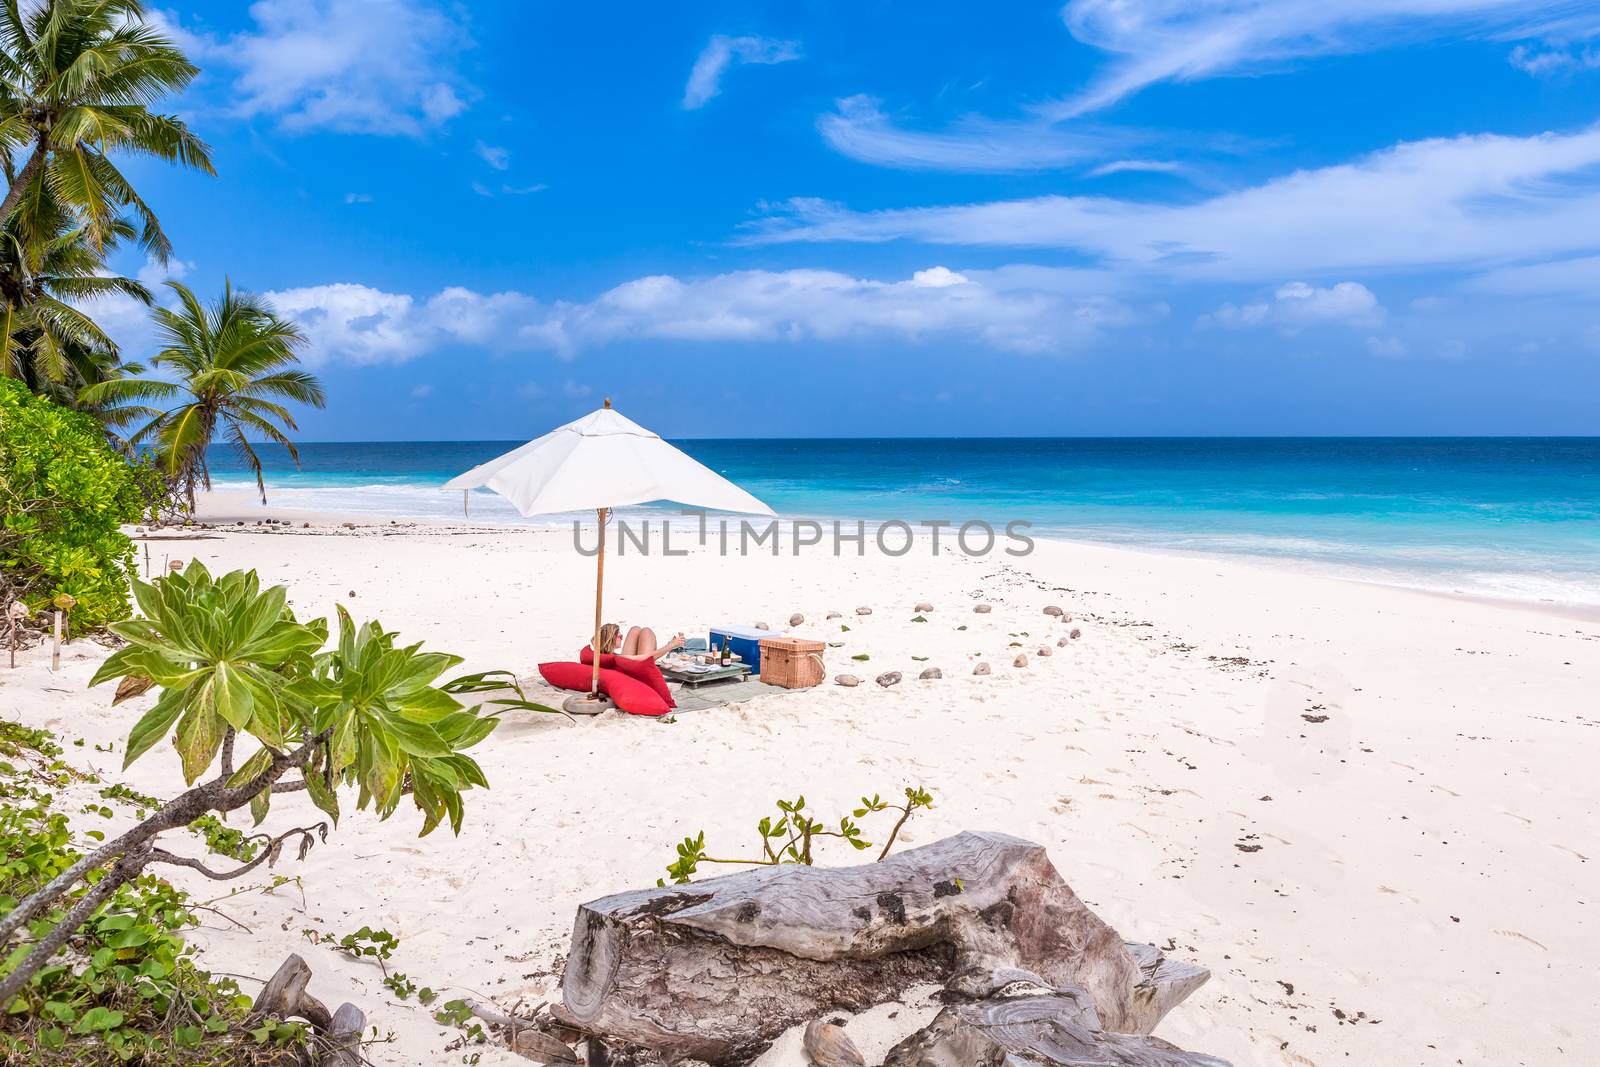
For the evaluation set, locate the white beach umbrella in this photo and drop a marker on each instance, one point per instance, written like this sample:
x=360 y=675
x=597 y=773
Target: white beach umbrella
x=600 y=462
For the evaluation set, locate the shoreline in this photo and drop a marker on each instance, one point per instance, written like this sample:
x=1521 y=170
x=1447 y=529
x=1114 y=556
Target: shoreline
x=229 y=507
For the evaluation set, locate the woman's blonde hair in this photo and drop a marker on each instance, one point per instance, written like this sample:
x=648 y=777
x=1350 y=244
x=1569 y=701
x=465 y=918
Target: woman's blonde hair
x=610 y=637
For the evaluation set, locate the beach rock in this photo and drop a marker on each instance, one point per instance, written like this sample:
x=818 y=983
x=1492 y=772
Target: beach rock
x=828 y=1045
x=348 y=525
x=931 y=673
x=834 y=615
x=1076 y=633
x=305 y=526
x=923 y=605
x=863 y=611
x=351 y=594
x=888 y=678
x=1055 y=611
x=1044 y=650
x=1021 y=660
x=796 y=619
x=849 y=681
x=982 y=668
x=835 y=644
x=1062 y=643
x=762 y=626
x=981 y=609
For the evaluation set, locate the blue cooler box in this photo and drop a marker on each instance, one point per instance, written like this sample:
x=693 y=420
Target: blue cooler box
x=743 y=641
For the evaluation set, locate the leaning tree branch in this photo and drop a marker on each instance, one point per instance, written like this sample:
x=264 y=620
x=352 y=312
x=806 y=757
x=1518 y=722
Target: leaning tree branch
x=270 y=850
x=126 y=870
x=215 y=795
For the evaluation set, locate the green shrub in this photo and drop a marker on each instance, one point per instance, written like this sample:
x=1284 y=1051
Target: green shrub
x=63 y=495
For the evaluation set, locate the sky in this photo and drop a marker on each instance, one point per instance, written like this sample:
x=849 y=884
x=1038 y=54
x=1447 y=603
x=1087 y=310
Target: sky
x=1145 y=217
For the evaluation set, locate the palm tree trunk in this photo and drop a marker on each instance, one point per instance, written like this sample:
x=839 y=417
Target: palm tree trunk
x=41 y=149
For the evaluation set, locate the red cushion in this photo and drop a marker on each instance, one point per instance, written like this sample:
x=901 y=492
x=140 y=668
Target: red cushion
x=645 y=670
x=629 y=694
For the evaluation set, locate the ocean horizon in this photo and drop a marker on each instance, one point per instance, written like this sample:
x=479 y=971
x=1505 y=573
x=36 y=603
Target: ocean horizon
x=1509 y=517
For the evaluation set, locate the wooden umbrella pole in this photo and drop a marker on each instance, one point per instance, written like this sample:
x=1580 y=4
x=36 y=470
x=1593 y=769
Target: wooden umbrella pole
x=599 y=587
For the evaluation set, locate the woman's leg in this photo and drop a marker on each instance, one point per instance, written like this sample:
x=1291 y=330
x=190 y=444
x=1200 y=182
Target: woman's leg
x=641 y=641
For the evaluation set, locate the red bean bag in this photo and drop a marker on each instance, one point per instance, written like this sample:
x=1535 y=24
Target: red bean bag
x=629 y=694
x=644 y=670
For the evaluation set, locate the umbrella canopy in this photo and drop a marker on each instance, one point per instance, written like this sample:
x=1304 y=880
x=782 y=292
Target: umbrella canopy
x=603 y=461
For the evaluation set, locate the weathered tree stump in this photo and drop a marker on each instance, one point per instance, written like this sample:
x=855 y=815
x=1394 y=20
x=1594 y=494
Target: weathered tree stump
x=1057 y=1029
x=716 y=969
x=285 y=997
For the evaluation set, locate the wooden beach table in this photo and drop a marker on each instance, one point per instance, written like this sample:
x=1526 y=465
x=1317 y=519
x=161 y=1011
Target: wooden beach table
x=695 y=679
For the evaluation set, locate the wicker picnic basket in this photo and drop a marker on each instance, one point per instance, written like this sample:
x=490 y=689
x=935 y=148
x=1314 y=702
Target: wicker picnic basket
x=791 y=662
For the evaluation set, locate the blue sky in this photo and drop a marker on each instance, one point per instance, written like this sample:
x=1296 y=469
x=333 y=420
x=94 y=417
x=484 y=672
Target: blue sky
x=1113 y=217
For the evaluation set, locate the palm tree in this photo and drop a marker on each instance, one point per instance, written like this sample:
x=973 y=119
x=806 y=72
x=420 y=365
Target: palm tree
x=233 y=364
x=77 y=78
x=49 y=269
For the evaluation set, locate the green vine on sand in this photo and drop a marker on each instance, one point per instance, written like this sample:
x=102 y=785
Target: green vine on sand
x=791 y=837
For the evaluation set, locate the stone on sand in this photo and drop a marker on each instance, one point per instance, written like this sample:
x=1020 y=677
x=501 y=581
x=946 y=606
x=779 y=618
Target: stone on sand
x=931 y=672
x=849 y=681
x=982 y=668
x=888 y=678
x=1076 y=633
x=796 y=619
x=923 y=605
x=863 y=611
x=1021 y=660
x=1053 y=610
x=981 y=609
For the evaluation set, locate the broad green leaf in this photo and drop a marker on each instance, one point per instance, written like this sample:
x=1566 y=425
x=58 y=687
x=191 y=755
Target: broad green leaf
x=153 y=726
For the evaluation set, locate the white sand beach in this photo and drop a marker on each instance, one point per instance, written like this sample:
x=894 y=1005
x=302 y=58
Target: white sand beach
x=1363 y=808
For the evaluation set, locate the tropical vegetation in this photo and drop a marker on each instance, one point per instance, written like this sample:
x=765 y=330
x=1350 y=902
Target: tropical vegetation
x=235 y=668
x=231 y=367
x=77 y=81
x=63 y=496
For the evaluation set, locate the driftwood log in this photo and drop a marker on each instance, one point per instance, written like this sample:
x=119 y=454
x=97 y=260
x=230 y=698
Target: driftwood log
x=1059 y=1028
x=716 y=969
x=285 y=997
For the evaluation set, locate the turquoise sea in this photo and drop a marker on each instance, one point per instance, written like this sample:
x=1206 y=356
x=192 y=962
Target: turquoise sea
x=1510 y=517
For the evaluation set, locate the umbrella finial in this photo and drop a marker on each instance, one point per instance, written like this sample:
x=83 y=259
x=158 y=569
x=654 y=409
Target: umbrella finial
x=608 y=401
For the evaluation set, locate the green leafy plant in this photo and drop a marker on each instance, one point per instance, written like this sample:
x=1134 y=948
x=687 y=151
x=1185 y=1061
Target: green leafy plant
x=789 y=838
x=64 y=494
x=232 y=663
x=133 y=990
x=365 y=943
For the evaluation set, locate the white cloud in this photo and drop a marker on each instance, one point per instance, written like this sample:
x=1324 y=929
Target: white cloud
x=497 y=157
x=1579 y=276
x=1023 y=309
x=858 y=128
x=1347 y=303
x=422 y=392
x=1541 y=62
x=1464 y=202
x=1180 y=40
x=1150 y=166
x=358 y=198
x=361 y=66
x=1297 y=305
x=1387 y=347
x=705 y=79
